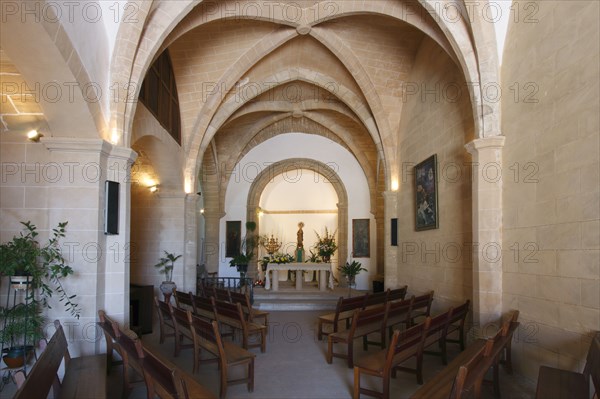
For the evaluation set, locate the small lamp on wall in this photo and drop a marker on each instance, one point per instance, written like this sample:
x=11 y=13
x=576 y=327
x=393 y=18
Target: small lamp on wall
x=153 y=188
x=34 y=135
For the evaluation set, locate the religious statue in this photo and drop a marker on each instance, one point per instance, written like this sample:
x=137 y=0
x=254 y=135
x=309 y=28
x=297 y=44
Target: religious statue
x=300 y=235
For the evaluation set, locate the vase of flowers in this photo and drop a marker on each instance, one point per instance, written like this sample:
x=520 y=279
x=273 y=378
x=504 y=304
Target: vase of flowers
x=326 y=245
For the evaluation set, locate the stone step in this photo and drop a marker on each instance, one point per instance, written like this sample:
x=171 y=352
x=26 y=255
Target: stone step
x=295 y=305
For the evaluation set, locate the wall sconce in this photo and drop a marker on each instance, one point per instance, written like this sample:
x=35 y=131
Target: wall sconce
x=34 y=135
x=202 y=211
x=395 y=185
x=153 y=188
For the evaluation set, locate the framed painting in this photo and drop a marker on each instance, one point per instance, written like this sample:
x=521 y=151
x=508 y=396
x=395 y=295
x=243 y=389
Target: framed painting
x=233 y=238
x=426 y=198
x=360 y=238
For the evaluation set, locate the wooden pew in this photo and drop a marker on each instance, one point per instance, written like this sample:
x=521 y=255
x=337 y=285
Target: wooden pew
x=84 y=376
x=343 y=312
x=420 y=307
x=106 y=323
x=555 y=383
x=404 y=345
x=165 y=320
x=364 y=322
x=161 y=377
x=204 y=307
x=457 y=324
x=183 y=300
x=397 y=294
x=207 y=337
x=182 y=329
x=441 y=385
x=232 y=315
x=254 y=314
x=131 y=352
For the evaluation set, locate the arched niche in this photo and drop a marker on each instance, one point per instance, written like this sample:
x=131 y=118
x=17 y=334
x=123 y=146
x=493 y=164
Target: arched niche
x=277 y=168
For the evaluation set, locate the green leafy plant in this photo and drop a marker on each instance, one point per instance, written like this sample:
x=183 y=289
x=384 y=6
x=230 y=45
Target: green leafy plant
x=45 y=264
x=351 y=270
x=166 y=265
x=45 y=268
x=326 y=245
x=313 y=258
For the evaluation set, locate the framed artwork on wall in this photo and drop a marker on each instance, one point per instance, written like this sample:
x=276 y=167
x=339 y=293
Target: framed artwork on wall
x=426 y=198
x=233 y=238
x=360 y=238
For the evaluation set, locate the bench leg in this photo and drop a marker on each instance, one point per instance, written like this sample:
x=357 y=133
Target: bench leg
x=263 y=342
x=420 y=369
x=356 y=391
x=251 y=376
x=329 y=349
x=351 y=354
x=320 y=330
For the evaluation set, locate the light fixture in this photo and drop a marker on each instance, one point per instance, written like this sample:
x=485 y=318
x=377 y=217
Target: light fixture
x=153 y=188
x=34 y=135
x=202 y=211
x=395 y=185
x=114 y=137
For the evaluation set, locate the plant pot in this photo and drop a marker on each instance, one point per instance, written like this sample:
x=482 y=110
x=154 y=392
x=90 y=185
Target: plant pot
x=167 y=287
x=20 y=282
x=16 y=356
x=242 y=268
x=326 y=258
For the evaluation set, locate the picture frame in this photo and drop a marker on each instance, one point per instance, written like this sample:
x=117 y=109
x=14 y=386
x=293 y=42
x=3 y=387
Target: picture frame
x=361 y=242
x=233 y=238
x=426 y=194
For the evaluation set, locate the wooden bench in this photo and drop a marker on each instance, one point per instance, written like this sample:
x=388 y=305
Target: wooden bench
x=343 y=312
x=364 y=322
x=207 y=337
x=204 y=307
x=84 y=376
x=183 y=300
x=253 y=314
x=404 y=345
x=182 y=328
x=106 y=323
x=161 y=377
x=420 y=307
x=555 y=383
x=397 y=294
x=232 y=315
x=441 y=385
x=164 y=320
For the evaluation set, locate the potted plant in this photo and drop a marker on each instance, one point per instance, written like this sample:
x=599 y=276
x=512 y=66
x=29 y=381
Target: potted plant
x=165 y=266
x=350 y=271
x=37 y=270
x=326 y=245
x=248 y=245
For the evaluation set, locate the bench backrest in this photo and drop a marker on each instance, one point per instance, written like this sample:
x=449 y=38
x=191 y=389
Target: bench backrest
x=592 y=364
x=413 y=337
x=181 y=321
x=400 y=309
x=468 y=373
x=439 y=323
x=346 y=304
x=231 y=311
x=183 y=299
x=459 y=313
x=377 y=298
x=241 y=298
x=423 y=303
x=42 y=375
x=203 y=306
x=221 y=294
x=161 y=380
x=372 y=316
x=397 y=294
x=164 y=313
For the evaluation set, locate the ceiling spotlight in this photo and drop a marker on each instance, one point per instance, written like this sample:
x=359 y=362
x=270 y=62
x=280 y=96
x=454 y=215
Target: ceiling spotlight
x=34 y=135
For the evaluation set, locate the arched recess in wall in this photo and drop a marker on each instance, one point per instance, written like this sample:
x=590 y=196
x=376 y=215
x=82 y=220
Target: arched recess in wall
x=277 y=168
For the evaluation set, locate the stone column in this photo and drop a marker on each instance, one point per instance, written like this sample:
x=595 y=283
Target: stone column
x=390 y=262
x=190 y=248
x=212 y=245
x=487 y=229
x=75 y=193
x=343 y=224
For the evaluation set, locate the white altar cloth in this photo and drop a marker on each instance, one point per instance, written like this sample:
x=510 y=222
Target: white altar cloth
x=323 y=268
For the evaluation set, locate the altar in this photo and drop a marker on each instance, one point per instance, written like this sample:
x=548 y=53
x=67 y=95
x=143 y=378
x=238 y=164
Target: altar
x=299 y=267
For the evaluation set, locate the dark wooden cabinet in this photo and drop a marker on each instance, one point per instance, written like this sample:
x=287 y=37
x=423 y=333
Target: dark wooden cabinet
x=141 y=308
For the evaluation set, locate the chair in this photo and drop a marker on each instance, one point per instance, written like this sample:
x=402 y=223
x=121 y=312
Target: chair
x=165 y=320
x=206 y=336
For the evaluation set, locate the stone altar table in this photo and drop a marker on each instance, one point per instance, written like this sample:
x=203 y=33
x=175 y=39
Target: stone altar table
x=323 y=268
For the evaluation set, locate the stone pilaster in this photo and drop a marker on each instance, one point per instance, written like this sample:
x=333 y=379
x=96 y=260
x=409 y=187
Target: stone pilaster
x=190 y=249
x=487 y=229
x=390 y=262
x=75 y=193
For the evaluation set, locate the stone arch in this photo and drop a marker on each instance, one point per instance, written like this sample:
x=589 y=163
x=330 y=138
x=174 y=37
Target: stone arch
x=277 y=168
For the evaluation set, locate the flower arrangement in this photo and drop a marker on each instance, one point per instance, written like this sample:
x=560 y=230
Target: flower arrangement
x=313 y=258
x=279 y=258
x=326 y=245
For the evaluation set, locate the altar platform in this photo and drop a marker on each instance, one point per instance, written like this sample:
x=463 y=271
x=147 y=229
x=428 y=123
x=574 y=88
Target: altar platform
x=310 y=298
